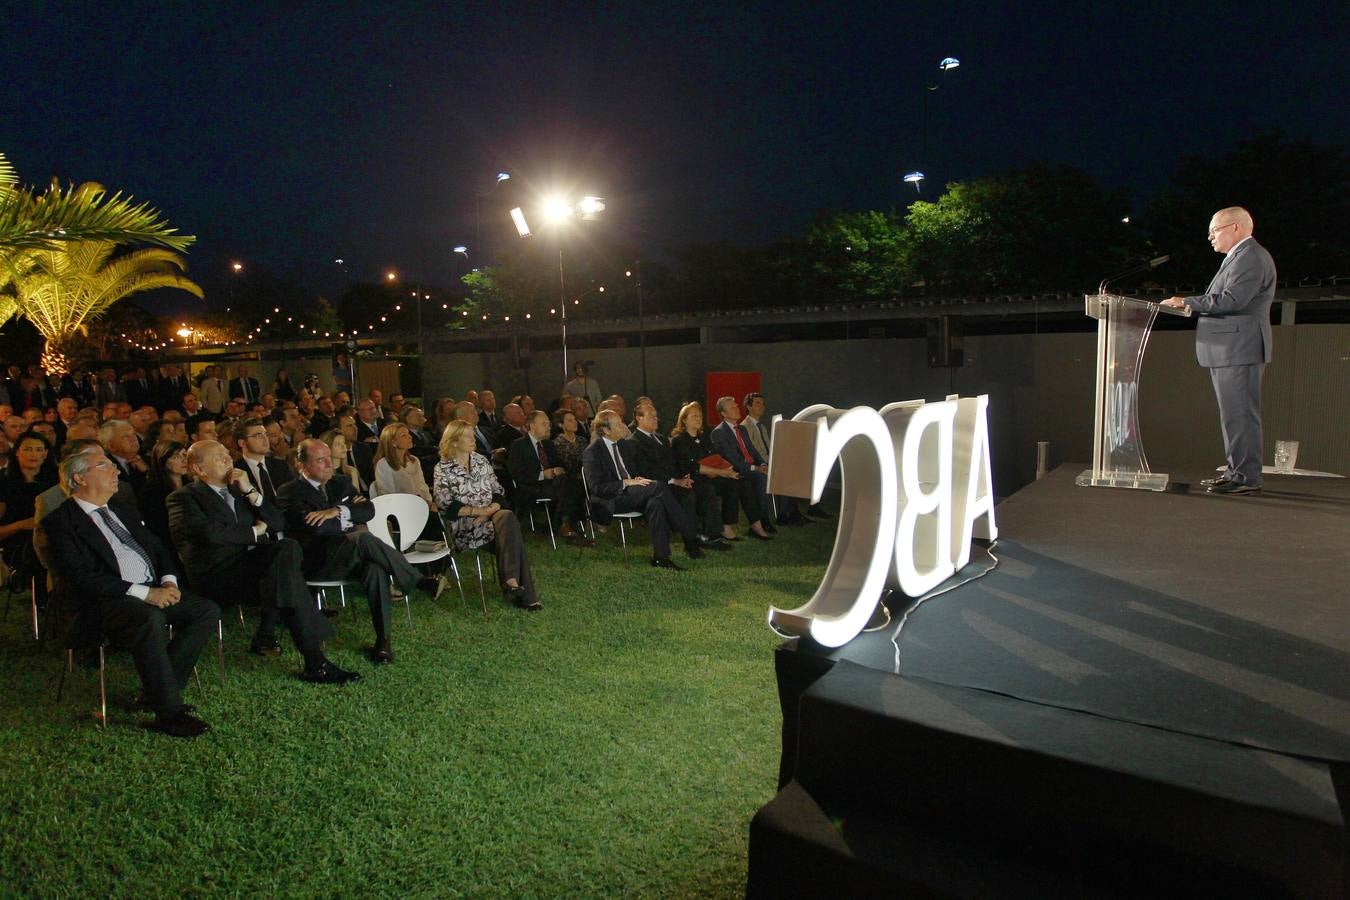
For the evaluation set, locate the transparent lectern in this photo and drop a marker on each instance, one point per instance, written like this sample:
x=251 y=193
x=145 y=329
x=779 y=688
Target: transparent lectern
x=1123 y=326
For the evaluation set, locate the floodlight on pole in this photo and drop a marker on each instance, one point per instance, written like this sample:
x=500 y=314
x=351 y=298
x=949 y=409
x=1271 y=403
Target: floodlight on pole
x=914 y=178
x=518 y=216
x=461 y=250
x=555 y=210
x=590 y=207
x=503 y=176
x=951 y=62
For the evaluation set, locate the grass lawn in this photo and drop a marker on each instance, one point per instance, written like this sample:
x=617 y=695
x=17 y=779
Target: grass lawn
x=616 y=743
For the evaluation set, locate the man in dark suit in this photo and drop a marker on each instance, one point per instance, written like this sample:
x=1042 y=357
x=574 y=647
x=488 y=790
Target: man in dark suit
x=368 y=422
x=264 y=471
x=761 y=439
x=109 y=390
x=533 y=463
x=360 y=455
x=487 y=411
x=652 y=458
x=324 y=418
x=732 y=442
x=613 y=488
x=323 y=514
x=123 y=448
x=171 y=388
x=121 y=573
x=243 y=385
x=228 y=538
x=138 y=389
x=1233 y=340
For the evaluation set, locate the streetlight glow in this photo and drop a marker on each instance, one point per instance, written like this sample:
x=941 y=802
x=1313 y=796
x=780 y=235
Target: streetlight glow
x=518 y=216
x=462 y=251
x=556 y=210
x=914 y=178
x=503 y=176
x=950 y=62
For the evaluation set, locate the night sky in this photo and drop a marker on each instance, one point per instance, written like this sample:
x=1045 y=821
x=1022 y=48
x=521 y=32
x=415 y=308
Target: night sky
x=286 y=135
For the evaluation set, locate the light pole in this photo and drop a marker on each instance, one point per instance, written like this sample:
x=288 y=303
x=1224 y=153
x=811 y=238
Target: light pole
x=478 y=212
x=947 y=64
x=635 y=274
x=558 y=211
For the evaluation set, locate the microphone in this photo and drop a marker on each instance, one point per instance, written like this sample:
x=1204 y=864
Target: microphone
x=1144 y=266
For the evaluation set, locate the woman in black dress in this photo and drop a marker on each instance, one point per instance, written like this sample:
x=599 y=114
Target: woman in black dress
x=282 y=389
x=29 y=473
x=168 y=472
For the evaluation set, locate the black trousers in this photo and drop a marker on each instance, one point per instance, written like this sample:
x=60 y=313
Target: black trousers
x=269 y=575
x=749 y=491
x=565 y=496
x=163 y=664
x=508 y=545
x=664 y=514
x=375 y=563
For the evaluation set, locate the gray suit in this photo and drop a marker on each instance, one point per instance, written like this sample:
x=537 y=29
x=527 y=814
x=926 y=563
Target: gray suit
x=1233 y=340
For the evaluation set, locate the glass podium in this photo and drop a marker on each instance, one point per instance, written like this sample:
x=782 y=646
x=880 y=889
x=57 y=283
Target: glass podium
x=1123 y=326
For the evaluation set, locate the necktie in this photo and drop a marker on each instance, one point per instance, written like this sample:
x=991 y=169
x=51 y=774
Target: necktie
x=543 y=460
x=225 y=495
x=265 y=482
x=248 y=393
x=125 y=537
x=741 y=441
x=618 y=463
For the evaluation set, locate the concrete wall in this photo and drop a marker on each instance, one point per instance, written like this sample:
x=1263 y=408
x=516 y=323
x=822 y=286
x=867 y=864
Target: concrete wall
x=1040 y=388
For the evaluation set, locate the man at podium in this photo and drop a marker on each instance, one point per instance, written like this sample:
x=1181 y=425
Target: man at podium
x=1233 y=340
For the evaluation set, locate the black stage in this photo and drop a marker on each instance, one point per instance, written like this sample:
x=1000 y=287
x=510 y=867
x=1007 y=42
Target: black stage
x=1194 y=645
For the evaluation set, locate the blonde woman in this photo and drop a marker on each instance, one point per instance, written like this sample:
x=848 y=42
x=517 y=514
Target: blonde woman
x=470 y=500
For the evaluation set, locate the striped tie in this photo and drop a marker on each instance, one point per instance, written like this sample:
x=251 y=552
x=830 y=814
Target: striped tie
x=125 y=537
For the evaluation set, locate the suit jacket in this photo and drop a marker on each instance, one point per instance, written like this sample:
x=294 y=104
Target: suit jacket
x=490 y=421
x=127 y=474
x=505 y=436
x=110 y=393
x=139 y=393
x=319 y=423
x=1234 y=324
x=213 y=395
x=724 y=442
x=364 y=456
x=368 y=433
x=277 y=470
x=210 y=539
x=652 y=457
x=237 y=388
x=483 y=440
x=523 y=462
x=603 y=480
x=298 y=498
x=169 y=393
x=83 y=562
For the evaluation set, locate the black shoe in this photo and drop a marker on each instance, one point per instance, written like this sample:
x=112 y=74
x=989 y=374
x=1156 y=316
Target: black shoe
x=140 y=704
x=694 y=551
x=818 y=511
x=380 y=654
x=1211 y=482
x=264 y=646
x=1233 y=487
x=713 y=543
x=327 y=673
x=665 y=562
x=180 y=725
x=536 y=606
x=330 y=612
x=759 y=537
x=768 y=526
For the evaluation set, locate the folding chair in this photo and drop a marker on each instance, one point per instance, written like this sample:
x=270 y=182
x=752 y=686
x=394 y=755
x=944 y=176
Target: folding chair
x=619 y=516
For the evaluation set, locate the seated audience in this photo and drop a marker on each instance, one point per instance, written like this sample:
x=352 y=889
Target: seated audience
x=282 y=389
x=120 y=573
x=470 y=499
x=323 y=513
x=487 y=411
x=732 y=443
x=227 y=534
x=30 y=472
x=654 y=458
x=255 y=459
x=715 y=486
x=168 y=472
x=397 y=471
x=539 y=474
x=607 y=464
x=568 y=445
x=123 y=449
x=581 y=408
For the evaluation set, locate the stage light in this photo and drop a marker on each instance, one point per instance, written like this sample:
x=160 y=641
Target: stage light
x=518 y=216
x=950 y=62
x=503 y=176
x=914 y=178
x=462 y=251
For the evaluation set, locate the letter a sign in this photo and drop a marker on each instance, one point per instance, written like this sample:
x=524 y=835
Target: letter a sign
x=917 y=487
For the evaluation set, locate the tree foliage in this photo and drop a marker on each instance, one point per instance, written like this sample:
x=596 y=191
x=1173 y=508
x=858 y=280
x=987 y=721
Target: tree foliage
x=861 y=255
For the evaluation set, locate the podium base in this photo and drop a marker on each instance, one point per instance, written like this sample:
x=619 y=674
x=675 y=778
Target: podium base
x=1139 y=481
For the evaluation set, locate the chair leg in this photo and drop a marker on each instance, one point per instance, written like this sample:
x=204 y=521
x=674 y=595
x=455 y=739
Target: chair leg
x=240 y=607
x=407 y=604
x=198 y=676
x=551 y=539
x=102 y=689
x=33 y=589
x=478 y=561
x=342 y=595
x=220 y=645
x=68 y=667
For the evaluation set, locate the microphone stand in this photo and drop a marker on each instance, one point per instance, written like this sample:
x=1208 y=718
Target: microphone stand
x=1134 y=270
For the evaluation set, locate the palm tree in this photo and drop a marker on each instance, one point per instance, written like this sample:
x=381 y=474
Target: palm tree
x=34 y=221
x=62 y=288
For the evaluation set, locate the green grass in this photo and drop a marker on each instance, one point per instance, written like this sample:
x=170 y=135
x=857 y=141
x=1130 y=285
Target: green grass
x=616 y=743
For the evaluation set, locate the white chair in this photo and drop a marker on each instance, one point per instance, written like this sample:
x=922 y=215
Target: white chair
x=410 y=512
x=545 y=502
x=618 y=516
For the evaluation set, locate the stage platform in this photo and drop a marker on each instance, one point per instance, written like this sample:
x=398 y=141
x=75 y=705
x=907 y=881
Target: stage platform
x=1200 y=640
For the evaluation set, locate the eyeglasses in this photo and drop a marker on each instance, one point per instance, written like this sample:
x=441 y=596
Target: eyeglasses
x=1217 y=228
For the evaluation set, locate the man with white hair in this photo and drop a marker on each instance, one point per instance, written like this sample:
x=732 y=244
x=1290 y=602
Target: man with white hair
x=1233 y=340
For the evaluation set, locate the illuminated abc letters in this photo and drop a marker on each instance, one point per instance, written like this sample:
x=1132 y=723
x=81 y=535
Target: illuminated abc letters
x=916 y=481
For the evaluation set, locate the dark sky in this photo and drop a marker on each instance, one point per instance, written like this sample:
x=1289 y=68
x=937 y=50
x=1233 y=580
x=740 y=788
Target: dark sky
x=287 y=135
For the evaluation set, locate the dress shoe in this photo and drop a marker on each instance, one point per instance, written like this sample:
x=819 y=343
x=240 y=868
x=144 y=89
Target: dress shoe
x=1233 y=487
x=380 y=654
x=759 y=537
x=140 y=704
x=327 y=673
x=1211 y=482
x=181 y=724
x=665 y=562
x=264 y=646
x=534 y=606
x=694 y=551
